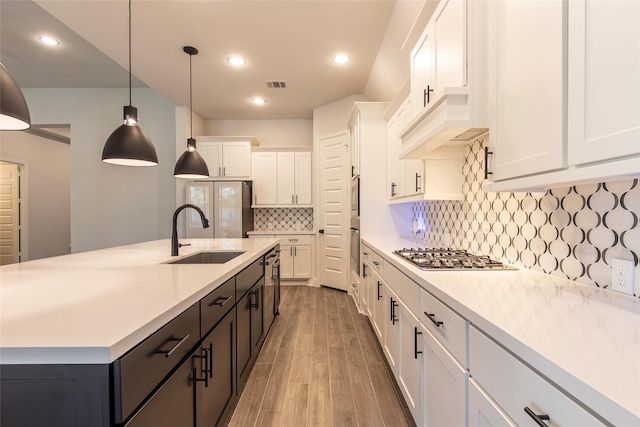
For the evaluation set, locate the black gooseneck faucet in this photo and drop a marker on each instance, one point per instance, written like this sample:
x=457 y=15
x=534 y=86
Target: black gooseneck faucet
x=174 y=233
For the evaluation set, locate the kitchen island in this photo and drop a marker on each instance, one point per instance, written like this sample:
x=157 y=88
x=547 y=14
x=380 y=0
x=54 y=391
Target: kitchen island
x=527 y=333
x=90 y=310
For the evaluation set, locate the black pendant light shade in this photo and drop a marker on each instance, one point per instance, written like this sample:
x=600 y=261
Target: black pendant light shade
x=191 y=165
x=129 y=145
x=14 y=113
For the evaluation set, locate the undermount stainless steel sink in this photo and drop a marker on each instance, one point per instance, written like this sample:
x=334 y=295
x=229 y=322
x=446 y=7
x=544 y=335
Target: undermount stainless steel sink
x=208 y=257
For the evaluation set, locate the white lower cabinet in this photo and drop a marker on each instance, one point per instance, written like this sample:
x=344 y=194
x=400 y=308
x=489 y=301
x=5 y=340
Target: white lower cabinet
x=295 y=261
x=522 y=394
x=391 y=334
x=484 y=411
x=443 y=385
x=409 y=361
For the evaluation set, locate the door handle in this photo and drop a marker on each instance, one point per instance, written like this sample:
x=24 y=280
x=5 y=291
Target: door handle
x=415 y=342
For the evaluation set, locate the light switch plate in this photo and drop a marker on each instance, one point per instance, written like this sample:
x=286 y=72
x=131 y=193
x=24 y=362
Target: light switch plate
x=622 y=276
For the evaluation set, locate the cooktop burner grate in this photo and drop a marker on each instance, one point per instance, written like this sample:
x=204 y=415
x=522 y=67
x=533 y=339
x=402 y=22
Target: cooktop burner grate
x=449 y=259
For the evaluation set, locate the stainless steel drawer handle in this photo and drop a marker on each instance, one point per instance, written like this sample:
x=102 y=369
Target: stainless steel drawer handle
x=539 y=419
x=172 y=349
x=432 y=317
x=220 y=301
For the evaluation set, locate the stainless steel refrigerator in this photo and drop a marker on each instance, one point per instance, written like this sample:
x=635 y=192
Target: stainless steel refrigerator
x=227 y=205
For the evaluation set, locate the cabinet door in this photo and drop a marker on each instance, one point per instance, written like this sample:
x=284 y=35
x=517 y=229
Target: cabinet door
x=451 y=47
x=172 y=404
x=355 y=147
x=302 y=262
x=423 y=72
x=286 y=174
x=391 y=344
x=443 y=385
x=211 y=152
x=604 y=80
x=395 y=166
x=286 y=261
x=528 y=135
x=265 y=183
x=483 y=411
x=214 y=394
x=409 y=361
x=302 y=178
x=257 y=317
x=236 y=159
x=379 y=307
x=243 y=343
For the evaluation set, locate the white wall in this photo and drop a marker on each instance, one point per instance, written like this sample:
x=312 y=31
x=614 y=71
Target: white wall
x=270 y=133
x=46 y=176
x=334 y=116
x=112 y=205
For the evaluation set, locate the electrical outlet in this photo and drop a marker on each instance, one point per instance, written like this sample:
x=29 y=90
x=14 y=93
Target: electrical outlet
x=622 y=276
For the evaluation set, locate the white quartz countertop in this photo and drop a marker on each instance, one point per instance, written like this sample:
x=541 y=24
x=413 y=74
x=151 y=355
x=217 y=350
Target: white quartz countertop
x=583 y=338
x=92 y=307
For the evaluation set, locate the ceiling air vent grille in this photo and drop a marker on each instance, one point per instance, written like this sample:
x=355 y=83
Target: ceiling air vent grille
x=276 y=84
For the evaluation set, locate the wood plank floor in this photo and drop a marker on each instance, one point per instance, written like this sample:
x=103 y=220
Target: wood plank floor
x=321 y=365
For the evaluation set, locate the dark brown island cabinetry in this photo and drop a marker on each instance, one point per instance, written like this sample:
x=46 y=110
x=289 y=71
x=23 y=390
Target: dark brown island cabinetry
x=188 y=373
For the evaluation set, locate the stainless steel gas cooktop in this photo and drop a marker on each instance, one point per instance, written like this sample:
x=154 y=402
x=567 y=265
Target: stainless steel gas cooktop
x=449 y=259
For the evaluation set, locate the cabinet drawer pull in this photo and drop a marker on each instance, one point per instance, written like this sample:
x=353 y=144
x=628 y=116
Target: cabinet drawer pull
x=219 y=171
x=417 y=182
x=379 y=286
x=432 y=317
x=486 y=162
x=168 y=353
x=293 y=240
x=393 y=189
x=220 y=301
x=364 y=270
x=394 y=318
x=537 y=418
x=415 y=342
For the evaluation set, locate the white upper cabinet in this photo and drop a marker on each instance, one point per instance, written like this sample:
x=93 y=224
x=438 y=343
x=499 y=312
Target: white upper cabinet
x=528 y=132
x=604 y=80
x=448 y=79
x=227 y=157
x=294 y=178
x=567 y=103
x=438 y=177
x=265 y=186
x=282 y=178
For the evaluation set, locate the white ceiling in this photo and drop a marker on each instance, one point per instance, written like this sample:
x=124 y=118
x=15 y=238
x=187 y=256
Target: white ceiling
x=291 y=41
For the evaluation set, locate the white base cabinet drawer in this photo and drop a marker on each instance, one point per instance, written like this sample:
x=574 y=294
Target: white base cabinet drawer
x=451 y=329
x=515 y=387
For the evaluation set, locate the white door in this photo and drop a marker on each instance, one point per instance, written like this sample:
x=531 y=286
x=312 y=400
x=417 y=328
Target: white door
x=236 y=159
x=286 y=174
x=334 y=210
x=303 y=178
x=264 y=166
x=9 y=214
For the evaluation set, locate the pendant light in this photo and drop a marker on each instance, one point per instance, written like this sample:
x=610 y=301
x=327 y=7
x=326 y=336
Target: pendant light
x=191 y=165
x=129 y=145
x=14 y=113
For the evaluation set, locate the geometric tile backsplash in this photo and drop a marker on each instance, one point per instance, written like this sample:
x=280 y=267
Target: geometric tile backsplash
x=283 y=219
x=573 y=232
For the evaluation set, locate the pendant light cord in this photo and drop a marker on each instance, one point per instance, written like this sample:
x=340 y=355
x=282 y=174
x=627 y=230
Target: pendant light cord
x=129 y=52
x=190 y=97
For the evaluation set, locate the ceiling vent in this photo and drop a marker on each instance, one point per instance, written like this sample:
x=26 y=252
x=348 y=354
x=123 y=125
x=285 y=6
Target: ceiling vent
x=276 y=84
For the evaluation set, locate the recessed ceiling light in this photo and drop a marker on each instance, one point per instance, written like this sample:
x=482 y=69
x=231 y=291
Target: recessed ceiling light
x=49 y=40
x=236 y=60
x=258 y=101
x=341 y=59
